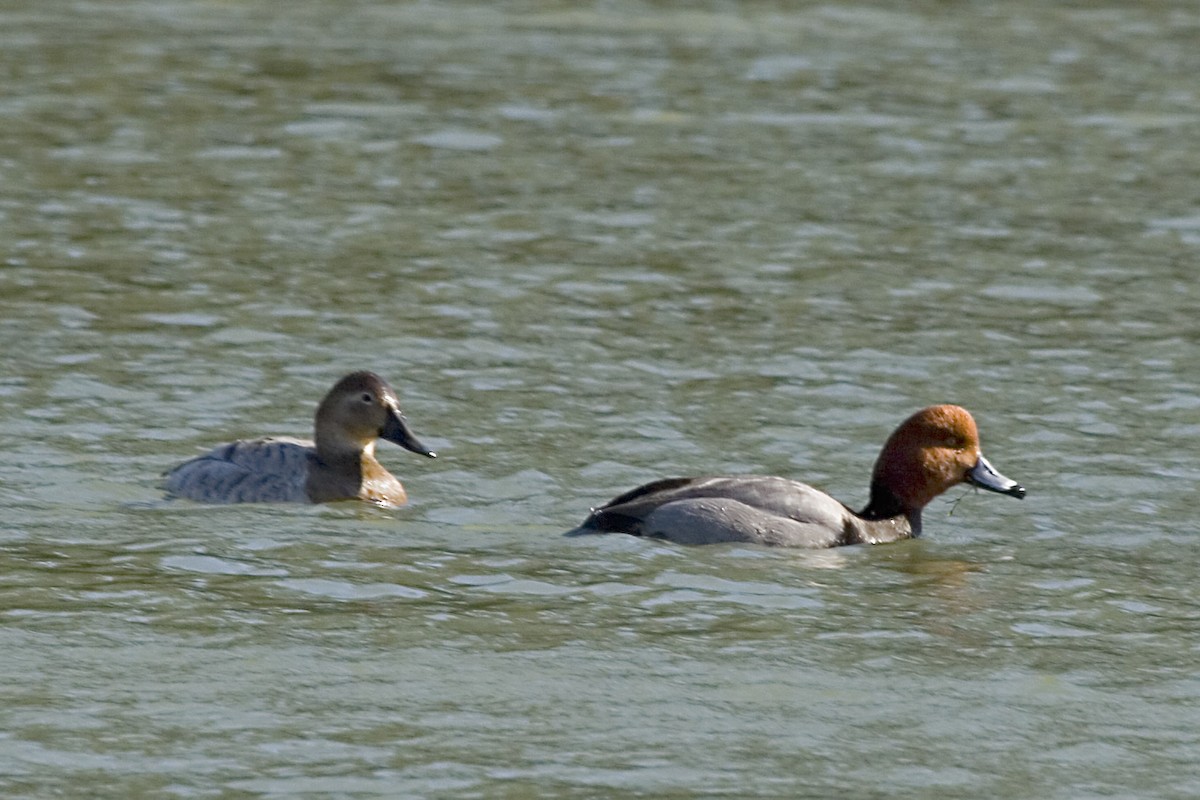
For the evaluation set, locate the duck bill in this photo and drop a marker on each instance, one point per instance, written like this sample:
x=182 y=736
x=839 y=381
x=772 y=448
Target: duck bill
x=985 y=476
x=396 y=430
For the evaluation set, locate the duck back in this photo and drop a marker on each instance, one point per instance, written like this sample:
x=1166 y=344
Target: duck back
x=744 y=508
x=273 y=470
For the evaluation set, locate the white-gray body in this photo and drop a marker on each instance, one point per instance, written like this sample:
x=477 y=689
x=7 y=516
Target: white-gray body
x=273 y=470
x=746 y=508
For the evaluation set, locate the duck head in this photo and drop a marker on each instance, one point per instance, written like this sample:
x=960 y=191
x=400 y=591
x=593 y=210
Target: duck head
x=359 y=409
x=931 y=451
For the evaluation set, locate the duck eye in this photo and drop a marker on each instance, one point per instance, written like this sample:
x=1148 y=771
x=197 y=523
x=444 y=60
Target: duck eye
x=367 y=398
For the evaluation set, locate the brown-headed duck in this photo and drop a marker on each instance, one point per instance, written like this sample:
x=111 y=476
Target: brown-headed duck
x=339 y=465
x=933 y=450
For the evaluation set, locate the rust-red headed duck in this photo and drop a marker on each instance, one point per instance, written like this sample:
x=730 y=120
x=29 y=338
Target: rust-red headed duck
x=339 y=464
x=933 y=450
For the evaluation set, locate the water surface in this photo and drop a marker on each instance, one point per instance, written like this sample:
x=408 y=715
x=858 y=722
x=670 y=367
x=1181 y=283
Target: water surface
x=593 y=246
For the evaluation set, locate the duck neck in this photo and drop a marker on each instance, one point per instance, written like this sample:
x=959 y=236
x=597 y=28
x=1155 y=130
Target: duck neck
x=337 y=454
x=337 y=470
x=889 y=514
x=354 y=472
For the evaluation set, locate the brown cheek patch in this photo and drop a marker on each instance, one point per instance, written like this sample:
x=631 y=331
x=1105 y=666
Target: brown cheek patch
x=942 y=469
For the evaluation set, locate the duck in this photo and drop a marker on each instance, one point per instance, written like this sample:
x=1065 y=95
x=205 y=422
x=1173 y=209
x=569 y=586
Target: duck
x=931 y=451
x=337 y=464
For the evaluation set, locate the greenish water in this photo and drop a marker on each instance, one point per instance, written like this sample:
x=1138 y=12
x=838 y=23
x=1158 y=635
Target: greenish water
x=591 y=246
